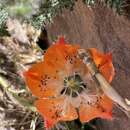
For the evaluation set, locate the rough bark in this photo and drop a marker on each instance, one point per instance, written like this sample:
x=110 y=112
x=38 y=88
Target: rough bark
x=100 y=27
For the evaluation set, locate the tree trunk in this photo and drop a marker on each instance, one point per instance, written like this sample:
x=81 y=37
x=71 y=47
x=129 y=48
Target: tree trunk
x=101 y=28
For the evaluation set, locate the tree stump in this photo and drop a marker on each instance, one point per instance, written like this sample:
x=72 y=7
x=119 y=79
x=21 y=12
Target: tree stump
x=100 y=27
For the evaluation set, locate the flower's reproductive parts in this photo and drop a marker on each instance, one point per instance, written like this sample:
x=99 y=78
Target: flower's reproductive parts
x=65 y=88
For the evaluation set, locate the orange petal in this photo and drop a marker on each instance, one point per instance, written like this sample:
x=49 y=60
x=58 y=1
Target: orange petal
x=48 y=123
x=59 y=54
x=102 y=109
x=106 y=105
x=104 y=63
x=35 y=77
x=53 y=110
x=80 y=67
x=60 y=51
x=55 y=56
x=61 y=40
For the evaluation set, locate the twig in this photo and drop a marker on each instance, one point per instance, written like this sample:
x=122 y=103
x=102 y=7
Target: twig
x=26 y=116
x=13 y=95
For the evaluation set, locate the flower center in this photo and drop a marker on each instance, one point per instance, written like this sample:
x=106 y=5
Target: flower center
x=73 y=85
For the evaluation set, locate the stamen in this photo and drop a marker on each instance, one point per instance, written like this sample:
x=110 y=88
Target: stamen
x=76 y=101
x=84 y=89
x=73 y=83
x=78 y=95
x=89 y=99
x=70 y=93
x=65 y=106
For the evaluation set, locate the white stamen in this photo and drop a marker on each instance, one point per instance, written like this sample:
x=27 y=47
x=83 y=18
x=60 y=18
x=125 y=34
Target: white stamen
x=70 y=96
x=85 y=89
x=64 y=91
x=75 y=101
x=65 y=106
x=88 y=98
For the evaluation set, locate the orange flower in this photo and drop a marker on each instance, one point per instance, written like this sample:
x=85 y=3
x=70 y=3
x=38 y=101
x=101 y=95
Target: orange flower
x=64 y=87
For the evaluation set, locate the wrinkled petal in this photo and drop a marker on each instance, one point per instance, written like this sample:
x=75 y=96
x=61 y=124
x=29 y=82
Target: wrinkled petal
x=104 y=63
x=80 y=68
x=61 y=56
x=42 y=80
x=53 y=110
x=102 y=109
x=55 y=57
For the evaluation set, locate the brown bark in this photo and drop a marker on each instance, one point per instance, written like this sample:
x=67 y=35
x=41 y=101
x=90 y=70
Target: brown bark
x=101 y=28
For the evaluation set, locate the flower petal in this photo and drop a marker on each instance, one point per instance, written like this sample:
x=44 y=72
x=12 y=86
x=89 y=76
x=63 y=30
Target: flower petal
x=80 y=68
x=102 y=109
x=61 y=56
x=53 y=110
x=49 y=123
x=42 y=80
x=61 y=40
x=55 y=57
x=104 y=63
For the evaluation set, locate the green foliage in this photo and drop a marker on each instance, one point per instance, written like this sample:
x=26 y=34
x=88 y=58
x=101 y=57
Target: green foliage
x=42 y=11
x=90 y=2
x=3 y=17
x=49 y=9
x=37 y=21
x=3 y=31
x=116 y=4
x=21 y=10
